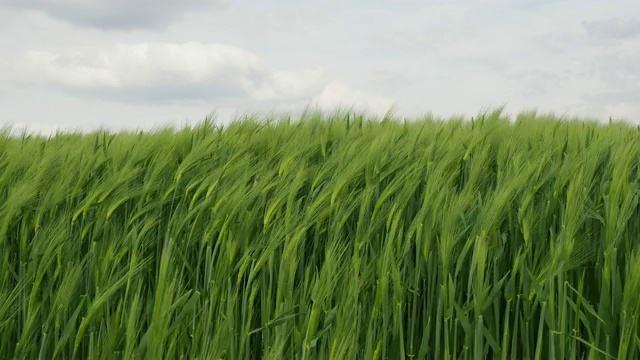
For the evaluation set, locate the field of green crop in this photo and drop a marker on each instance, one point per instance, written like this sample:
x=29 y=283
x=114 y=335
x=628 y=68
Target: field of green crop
x=332 y=237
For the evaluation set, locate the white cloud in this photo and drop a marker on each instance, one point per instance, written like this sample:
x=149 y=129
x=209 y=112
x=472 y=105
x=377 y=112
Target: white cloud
x=340 y=95
x=625 y=111
x=36 y=128
x=162 y=71
x=448 y=57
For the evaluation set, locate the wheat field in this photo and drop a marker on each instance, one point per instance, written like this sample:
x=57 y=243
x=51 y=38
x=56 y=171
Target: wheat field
x=326 y=237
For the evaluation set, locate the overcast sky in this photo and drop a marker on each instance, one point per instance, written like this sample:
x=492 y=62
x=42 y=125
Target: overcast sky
x=128 y=64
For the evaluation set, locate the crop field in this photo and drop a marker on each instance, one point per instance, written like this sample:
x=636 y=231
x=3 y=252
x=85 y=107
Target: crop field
x=325 y=237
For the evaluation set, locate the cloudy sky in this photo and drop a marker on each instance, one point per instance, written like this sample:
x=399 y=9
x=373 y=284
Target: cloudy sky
x=128 y=64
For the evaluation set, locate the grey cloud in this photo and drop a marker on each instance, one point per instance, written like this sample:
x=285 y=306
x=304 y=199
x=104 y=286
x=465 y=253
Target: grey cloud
x=535 y=81
x=410 y=40
x=621 y=95
x=620 y=71
x=486 y=63
x=559 y=43
x=614 y=28
x=174 y=94
x=615 y=96
x=389 y=79
x=117 y=14
x=619 y=105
